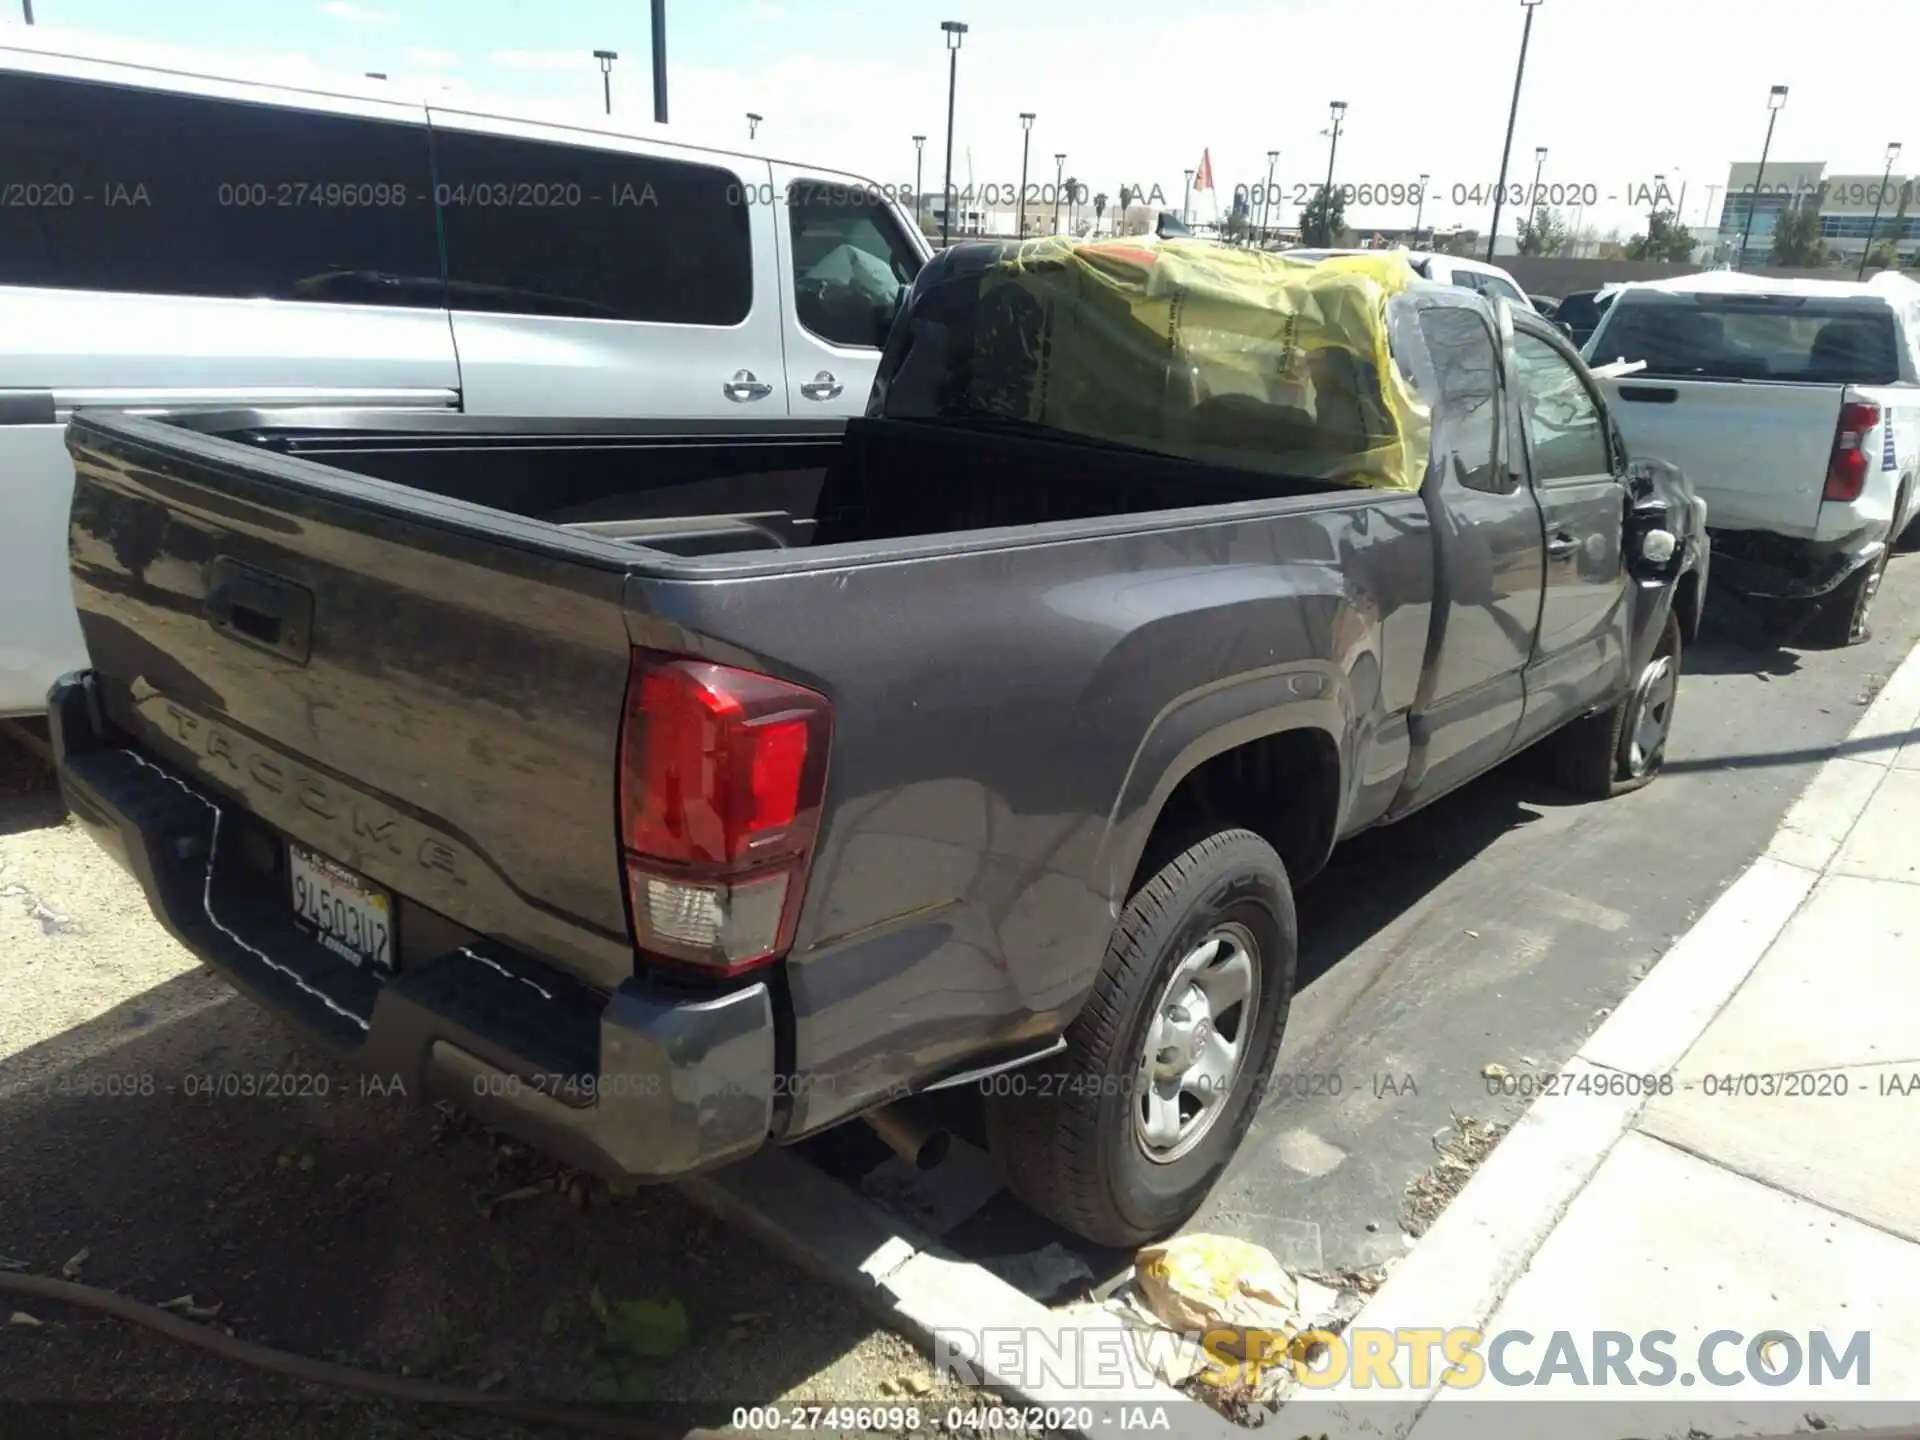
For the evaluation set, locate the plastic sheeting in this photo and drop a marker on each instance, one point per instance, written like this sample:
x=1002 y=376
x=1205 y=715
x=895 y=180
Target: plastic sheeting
x=1205 y=352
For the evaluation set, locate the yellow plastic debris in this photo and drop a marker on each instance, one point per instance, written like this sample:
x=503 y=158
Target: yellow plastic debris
x=1209 y=353
x=1232 y=1294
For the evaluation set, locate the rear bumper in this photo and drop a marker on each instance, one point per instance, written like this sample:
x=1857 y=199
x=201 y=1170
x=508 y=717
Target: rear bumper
x=647 y=1084
x=1759 y=562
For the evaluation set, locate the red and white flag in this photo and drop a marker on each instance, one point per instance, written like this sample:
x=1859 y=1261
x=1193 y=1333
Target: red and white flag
x=1203 y=177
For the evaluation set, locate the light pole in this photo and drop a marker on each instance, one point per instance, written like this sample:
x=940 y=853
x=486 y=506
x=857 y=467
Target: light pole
x=27 y=6
x=1893 y=154
x=1059 y=179
x=1186 y=201
x=753 y=124
x=1338 y=109
x=1653 y=203
x=659 y=62
x=954 y=31
x=1776 y=98
x=1266 y=201
x=1420 y=208
x=1513 y=113
x=1020 y=203
x=1680 y=205
x=606 y=59
x=919 y=197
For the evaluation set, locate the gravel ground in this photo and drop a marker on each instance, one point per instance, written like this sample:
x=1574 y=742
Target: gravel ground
x=331 y=1220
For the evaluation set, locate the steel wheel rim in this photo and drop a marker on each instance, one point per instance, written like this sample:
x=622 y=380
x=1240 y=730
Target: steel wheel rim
x=1865 y=603
x=1196 y=1043
x=1652 y=715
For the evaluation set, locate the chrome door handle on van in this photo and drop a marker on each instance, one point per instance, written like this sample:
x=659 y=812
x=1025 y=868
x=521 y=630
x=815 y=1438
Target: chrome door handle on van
x=745 y=386
x=823 y=387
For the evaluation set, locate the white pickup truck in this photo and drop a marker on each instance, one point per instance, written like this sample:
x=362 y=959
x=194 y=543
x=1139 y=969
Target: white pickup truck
x=1793 y=407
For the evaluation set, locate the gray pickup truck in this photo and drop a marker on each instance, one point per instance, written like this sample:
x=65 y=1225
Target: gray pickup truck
x=659 y=792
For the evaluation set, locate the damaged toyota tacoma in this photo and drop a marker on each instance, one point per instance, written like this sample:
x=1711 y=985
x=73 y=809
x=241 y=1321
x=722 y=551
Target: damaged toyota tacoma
x=658 y=792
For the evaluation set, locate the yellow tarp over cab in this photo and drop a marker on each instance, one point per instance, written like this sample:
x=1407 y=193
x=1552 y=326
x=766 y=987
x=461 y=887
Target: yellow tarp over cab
x=1206 y=352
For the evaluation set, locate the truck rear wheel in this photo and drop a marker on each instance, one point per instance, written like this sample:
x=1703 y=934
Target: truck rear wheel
x=1841 y=618
x=1623 y=747
x=1166 y=1064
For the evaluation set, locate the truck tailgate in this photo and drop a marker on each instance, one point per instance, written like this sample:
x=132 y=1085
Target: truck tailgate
x=1756 y=452
x=425 y=691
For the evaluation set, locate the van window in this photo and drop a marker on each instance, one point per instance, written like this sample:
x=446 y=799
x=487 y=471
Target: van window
x=1496 y=285
x=1465 y=364
x=850 y=262
x=111 y=187
x=541 y=229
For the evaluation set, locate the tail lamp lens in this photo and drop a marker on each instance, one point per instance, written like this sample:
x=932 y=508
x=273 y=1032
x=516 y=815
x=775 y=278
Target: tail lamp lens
x=722 y=771
x=1847 y=468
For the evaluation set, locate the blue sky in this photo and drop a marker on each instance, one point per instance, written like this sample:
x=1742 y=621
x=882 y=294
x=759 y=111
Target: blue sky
x=1132 y=91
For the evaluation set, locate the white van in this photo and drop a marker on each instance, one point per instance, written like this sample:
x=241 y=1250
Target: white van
x=171 y=240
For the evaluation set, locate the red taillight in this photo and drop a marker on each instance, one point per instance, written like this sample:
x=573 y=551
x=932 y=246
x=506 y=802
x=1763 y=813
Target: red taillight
x=1847 y=469
x=721 y=775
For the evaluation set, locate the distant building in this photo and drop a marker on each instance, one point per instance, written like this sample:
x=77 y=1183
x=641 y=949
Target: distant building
x=1845 y=205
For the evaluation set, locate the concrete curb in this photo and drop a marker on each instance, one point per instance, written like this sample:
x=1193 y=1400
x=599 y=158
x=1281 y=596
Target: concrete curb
x=912 y=1285
x=1463 y=1267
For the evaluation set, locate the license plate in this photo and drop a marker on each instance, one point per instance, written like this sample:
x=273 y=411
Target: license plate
x=348 y=916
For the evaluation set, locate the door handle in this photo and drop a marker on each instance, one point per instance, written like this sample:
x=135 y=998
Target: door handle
x=823 y=387
x=746 y=386
x=1562 y=545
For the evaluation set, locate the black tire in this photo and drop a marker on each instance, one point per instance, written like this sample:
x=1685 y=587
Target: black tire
x=1842 y=618
x=1066 y=1140
x=1604 y=755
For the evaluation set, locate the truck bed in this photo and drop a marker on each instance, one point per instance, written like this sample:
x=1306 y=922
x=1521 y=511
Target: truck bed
x=710 y=489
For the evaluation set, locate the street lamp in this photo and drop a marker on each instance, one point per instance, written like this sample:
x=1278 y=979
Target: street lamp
x=659 y=62
x=376 y=74
x=1776 y=98
x=1420 y=208
x=27 y=6
x=1533 y=197
x=753 y=124
x=919 y=198
x=1020 y=204
x=1653 y=203
x=1266 y=201
x=606 y=59
x=1513 y=114
x=1059 y=179
x=1893 y=154
x=954 y=32
x=1338 y=109
x=1186 y=201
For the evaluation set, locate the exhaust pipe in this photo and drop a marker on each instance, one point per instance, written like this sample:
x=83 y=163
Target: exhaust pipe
x=909 y=1135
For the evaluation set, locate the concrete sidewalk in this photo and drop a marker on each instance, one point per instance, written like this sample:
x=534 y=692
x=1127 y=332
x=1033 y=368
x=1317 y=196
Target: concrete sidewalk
x=1736 y=1149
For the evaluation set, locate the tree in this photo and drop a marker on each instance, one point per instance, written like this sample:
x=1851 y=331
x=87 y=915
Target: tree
x=1099 y=209
x=1324 y=219
x=1883 y=256
x=1664 y=240
x=1796 y=238
x=1544 y=232
x=1070 y=197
